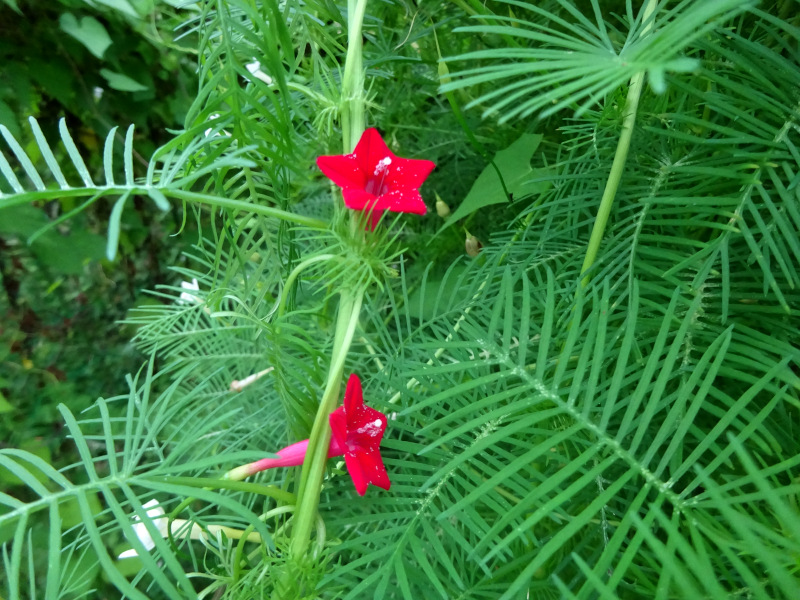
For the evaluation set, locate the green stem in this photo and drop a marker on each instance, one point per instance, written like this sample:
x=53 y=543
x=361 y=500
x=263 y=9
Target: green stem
x=313 y=471
x=318 y=442
x=621 y=155
x=267 y=211
x=353 y=119
x=169 y=192
x=228 y=483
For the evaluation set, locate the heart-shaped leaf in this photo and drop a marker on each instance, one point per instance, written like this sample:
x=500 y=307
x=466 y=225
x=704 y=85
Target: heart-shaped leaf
x=88 y=31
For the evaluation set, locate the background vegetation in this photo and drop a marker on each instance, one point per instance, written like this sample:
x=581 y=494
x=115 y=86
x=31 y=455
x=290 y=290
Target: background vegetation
x=565 y=422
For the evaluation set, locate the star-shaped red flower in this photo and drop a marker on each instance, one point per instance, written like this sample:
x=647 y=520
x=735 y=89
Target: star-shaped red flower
x=358 y=430
x=372 y=178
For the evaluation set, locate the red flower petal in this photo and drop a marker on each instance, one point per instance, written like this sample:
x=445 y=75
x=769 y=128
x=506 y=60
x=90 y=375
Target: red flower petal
x=365 y=429
x=366 y=468
x=374 y=219
x=344 y=171
x=357 y=474
x=372 y=465
x=357 y=199
x=408 y=201
x=338 y=423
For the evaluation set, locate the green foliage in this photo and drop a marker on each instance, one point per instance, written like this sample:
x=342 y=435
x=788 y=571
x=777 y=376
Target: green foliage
x=140 y=460
x=634 y=437
x=577 y=62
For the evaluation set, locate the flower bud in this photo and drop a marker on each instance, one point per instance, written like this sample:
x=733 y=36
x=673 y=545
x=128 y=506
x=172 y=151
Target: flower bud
x=473 y=246
x=444 y=73
x=441 y=207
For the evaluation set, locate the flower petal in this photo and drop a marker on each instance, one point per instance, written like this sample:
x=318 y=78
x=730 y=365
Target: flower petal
x=370 y=150
x=358 y=430
x=372 y=463
x=365 y=428
x=403 y=200
x=154 y=513
x=357 y=474
x=357 y=199
x=344 y=171
x=373 y=178
x=366 y=467
x=374 y=219
x=353 y=396
x=338 y=423
x=408 y=172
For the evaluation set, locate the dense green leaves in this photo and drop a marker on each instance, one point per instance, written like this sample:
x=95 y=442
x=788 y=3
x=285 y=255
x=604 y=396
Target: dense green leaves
x=516 y=459
x=572 y=61
x=634 y=437
x=134 y=467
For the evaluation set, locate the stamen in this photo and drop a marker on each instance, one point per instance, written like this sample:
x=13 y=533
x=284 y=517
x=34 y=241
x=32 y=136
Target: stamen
x=382 y=166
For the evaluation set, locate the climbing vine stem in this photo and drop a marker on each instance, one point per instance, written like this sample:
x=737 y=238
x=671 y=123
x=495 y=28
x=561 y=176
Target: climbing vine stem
x=620 y=156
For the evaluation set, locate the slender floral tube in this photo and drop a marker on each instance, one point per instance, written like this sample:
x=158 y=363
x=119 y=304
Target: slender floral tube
x=291 y=456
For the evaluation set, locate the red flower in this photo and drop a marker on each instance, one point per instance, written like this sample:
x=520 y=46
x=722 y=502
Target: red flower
x=358 y=429
x=372 y=178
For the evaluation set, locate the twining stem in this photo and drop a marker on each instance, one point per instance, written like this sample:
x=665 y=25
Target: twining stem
x=621 y=155
x=320 y=438
x=353 y=119
x=313 y=471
